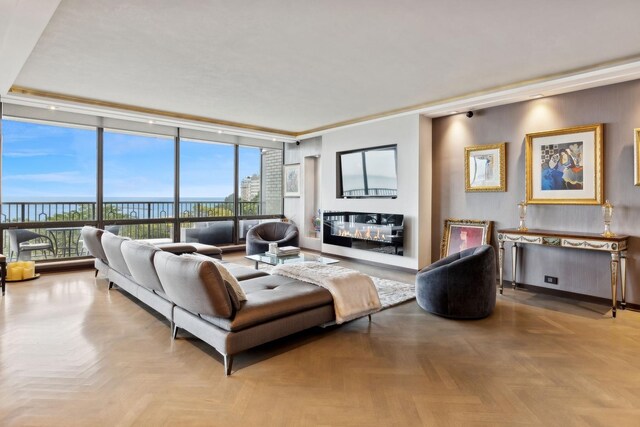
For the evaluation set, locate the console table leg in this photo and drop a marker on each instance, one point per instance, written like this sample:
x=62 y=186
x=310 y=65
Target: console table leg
x=500 y=263
x=623 y=278
x=615 y=256
x=514 y=264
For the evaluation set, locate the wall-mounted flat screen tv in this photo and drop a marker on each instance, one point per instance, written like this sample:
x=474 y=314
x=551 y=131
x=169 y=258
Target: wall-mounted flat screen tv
x=369 y=172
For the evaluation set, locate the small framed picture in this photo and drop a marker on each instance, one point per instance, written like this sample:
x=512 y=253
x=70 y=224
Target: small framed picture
x=461 y=234
x=292 y=180
x=485 y=168
x=636 y=156
x=565 y=167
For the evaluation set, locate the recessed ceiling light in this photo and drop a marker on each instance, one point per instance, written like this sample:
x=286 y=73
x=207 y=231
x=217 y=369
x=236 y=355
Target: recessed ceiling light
x=219 y=131
x=150 y=122
x=273 y=139
x=52 y=107
x=453 y=112
x=536 y=96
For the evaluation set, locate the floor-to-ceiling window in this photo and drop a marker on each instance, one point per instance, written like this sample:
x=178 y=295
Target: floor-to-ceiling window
x=54 y=174
x=48 y=188
x=207 y=192
x=138 y=184
x=259 y=185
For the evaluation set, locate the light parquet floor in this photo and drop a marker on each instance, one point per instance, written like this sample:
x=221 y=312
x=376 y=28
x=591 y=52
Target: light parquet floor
x=73 y=353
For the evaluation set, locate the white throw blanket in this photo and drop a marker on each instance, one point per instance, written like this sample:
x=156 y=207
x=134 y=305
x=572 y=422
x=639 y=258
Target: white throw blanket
x=354 y=294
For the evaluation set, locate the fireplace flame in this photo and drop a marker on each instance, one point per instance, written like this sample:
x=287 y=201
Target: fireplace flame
x=366 y=232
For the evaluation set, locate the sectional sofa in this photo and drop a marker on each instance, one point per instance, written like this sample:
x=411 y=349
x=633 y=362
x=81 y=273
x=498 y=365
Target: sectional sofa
x=232 y=308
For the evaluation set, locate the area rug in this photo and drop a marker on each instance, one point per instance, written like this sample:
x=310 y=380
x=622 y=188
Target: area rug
x=391 y=292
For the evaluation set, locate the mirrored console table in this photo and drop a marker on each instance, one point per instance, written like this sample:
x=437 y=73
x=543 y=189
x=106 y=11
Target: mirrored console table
x=616 y=246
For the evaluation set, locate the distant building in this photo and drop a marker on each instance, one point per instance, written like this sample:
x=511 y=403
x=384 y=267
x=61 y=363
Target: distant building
x=250 y=187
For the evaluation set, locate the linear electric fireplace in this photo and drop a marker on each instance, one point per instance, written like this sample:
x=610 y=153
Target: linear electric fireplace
x=376 y=232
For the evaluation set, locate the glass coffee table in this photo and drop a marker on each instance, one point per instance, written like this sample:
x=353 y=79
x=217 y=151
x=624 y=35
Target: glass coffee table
x=267 y=258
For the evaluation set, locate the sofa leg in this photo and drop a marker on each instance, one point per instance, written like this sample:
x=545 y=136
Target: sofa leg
x=228 y=361
x=110 y=285
x=369 y=318
x=96 y=275
x=175 y=331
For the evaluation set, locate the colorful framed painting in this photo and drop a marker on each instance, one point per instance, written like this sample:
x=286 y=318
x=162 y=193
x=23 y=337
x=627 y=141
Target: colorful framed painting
x=292 y=180
x=461 y=234
x=485 y=167
x=636 y=156
x=565 y=166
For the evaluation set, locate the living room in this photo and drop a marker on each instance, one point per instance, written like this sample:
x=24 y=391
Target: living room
x=148 y=123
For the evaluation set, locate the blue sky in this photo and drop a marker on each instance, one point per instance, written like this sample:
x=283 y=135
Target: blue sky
x=43 y=161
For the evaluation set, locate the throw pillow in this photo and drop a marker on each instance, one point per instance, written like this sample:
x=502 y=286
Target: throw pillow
x=231 y=282
x=230 y=278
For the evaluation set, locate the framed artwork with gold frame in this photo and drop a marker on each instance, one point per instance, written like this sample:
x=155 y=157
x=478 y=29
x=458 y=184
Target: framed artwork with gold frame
x=636 y=156
x=485 y=168
x=565 y=166
x=461 y=234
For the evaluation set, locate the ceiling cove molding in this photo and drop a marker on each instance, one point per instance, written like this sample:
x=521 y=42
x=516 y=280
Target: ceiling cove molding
x=523 y=91
x=35 y=97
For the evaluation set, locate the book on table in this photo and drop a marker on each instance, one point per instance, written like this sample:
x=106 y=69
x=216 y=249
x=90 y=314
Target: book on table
x=286 y=251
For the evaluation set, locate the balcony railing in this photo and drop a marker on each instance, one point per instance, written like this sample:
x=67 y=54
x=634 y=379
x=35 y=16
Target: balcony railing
x=371 y=192
x=66 y=241
x=113 y=210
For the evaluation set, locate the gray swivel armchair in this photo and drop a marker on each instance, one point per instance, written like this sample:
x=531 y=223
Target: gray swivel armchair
x=460 y=286
x=21 y=241
x=282 y=233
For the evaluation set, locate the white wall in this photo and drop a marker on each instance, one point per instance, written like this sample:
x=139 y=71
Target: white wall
x=298 y=209
x=412 y=134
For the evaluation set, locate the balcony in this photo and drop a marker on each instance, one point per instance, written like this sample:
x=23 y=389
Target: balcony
x=136 y=219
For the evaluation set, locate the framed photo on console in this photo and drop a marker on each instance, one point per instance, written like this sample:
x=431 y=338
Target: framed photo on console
x=565 y=167
x=292 y=180
x=636 y=156
x=485 y=167
x=461 y=234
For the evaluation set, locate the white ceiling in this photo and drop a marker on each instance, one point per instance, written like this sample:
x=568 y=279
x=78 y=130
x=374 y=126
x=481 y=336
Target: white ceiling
x=300 y=64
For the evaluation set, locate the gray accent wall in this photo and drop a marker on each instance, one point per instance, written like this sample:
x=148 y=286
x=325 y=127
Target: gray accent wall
x=579 y=271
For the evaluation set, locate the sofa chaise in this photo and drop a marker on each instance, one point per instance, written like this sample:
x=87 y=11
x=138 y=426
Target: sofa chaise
x=190 y=291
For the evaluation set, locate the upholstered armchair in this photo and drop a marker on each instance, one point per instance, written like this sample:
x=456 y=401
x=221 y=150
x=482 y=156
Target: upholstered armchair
x=460 y=286
x=282 y=233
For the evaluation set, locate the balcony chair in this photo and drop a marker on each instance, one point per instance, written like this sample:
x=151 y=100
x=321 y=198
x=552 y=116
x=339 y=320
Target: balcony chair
x=21 y=241
x=282 y=233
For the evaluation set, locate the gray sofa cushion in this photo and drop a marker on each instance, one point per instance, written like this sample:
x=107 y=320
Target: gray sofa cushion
x=272 y=297
x=208 y=250
x=91 y=238
x=176 y=248
x=460 y=286
x=241 y=272
x=194 y=284
x=139 y=259
x=112 y=248
x=188 y=248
